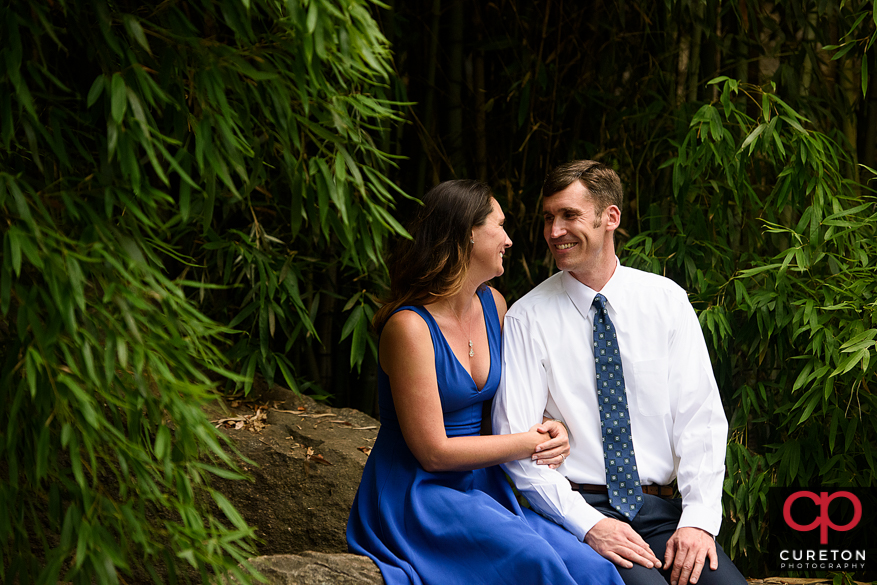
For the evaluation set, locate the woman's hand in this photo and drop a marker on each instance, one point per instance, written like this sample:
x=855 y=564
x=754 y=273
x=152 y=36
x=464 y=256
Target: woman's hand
x=554 y=451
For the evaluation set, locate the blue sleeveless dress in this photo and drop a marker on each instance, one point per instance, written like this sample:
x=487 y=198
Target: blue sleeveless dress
x=458 y=527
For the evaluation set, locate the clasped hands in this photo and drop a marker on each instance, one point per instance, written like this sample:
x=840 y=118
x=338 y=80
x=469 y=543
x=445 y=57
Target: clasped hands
x=553 y=451
x=687 y=550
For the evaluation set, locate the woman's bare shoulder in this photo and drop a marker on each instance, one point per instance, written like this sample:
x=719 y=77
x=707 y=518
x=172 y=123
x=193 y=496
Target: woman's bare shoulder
x=405 y=323
x=501 y=306
x=405 y=332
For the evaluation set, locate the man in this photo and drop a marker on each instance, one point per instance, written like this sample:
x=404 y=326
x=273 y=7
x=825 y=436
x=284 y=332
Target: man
x=617 y=355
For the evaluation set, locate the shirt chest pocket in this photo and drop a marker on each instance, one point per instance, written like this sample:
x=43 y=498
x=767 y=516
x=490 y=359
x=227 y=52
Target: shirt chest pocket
x=652 y=391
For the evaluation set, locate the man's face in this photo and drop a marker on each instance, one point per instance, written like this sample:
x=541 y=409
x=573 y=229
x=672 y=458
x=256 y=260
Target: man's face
x=579 y=239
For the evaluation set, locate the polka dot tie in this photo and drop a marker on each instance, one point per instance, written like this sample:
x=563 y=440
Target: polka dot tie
x=622 y=478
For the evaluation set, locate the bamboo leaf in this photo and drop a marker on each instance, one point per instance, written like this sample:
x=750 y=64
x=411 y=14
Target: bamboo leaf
x=313 y=14
x=220 y=471
x=844 y=49
x=811 y=406
x=357 y=351
x=794 y=123
x=97 y=88
x=759 y=269
x=13 y=245
x=136 y=31
x=352 y=320
x=286 y=371
x=752 y=136
x=851 y=361
x=228 y=509
x=864 y=339
x=162 y=442
x=715 y=122
x=119 y=98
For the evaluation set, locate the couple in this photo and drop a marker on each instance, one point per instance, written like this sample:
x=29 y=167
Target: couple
x=435 y=507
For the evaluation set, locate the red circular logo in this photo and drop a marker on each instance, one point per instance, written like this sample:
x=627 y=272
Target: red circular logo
x=822 y=521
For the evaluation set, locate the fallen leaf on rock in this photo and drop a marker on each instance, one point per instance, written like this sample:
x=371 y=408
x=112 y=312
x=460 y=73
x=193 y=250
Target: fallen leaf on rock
x=318 y=458
x=252 y=422
x=366 y=450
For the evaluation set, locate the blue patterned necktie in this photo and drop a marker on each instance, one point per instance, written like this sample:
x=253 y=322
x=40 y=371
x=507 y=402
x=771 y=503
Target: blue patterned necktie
x=622 y=478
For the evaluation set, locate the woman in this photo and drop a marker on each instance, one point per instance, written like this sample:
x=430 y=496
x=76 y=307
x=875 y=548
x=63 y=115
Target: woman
x=433 y=505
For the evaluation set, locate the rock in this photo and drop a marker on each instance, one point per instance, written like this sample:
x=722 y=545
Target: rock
x=313 y=568
x=309 y=460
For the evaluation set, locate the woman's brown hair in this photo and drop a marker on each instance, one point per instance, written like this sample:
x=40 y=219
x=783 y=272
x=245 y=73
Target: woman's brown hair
x=433 y=264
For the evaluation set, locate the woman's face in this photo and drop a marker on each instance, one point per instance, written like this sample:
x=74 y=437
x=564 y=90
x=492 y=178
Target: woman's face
x=490 y=244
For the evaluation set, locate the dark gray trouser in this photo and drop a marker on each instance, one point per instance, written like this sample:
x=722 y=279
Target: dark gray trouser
x=656 y=522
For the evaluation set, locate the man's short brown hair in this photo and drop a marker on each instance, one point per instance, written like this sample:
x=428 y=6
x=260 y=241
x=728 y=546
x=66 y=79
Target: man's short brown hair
x=602 y=182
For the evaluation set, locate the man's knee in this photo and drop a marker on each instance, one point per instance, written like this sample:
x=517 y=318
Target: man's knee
x=726 y=574
x=639 y=575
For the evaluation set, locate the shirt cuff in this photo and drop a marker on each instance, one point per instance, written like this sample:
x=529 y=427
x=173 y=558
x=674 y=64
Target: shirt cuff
x=581 y=518
x=700 y=516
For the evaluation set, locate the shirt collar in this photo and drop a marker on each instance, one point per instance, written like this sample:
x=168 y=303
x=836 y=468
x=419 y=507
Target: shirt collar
x=582 y=295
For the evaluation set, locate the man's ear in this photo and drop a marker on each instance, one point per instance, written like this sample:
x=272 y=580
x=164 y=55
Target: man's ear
x=613 y=217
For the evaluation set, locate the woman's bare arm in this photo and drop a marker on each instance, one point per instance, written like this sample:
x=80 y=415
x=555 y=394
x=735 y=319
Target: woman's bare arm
x=408 y=358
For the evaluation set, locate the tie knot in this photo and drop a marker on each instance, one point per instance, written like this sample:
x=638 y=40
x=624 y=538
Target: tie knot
x=600 y=302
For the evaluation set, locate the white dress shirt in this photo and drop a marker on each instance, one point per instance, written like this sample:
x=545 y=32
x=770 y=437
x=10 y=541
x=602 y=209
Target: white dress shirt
x=677 y=420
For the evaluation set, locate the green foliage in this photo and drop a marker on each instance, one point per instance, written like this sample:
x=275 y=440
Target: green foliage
x=618 y=82
x=746 y=193
x=859 y=39
x=776 y=248
x=165 y=167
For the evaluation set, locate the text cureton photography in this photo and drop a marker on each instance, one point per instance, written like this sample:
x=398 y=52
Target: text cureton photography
x=822 y=528
x=826 y=560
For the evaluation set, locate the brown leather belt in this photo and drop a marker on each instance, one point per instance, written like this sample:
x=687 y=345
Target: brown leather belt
x=662 y=491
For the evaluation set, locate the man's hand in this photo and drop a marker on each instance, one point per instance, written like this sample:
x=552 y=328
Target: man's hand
x=687 y=550
x=619 y=543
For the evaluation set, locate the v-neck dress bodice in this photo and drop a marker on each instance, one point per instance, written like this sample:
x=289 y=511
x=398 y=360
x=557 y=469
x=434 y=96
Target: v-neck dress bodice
x=461 y=398
x=458 y=527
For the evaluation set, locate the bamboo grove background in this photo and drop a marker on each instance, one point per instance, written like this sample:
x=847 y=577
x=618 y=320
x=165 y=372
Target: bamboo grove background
x=195 y=193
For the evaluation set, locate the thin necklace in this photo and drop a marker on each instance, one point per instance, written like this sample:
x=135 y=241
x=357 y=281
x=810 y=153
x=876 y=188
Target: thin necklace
x=460 y=322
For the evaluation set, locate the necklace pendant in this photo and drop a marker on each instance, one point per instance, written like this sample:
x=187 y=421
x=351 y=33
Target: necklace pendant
x=471 y=349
